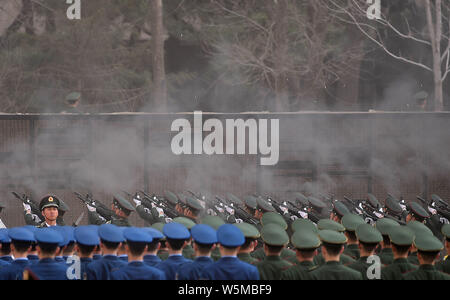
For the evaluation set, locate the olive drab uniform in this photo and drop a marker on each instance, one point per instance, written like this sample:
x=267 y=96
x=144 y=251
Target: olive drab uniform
x=397 y=269
x=426 y=272
x=272 y=267
x=298 y=272
x=334 y=270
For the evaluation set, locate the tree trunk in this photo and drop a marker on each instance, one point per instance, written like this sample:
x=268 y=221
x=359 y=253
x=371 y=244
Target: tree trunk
x=158 y=61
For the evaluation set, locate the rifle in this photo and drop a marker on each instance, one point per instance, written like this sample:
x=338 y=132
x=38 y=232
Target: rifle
x=365 y=210
x=240 y=213
x=26 y=200
x=102 y=210
x=162 y=203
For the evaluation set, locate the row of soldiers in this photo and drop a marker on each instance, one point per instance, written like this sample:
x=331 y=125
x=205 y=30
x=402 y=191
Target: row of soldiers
x=198 y=246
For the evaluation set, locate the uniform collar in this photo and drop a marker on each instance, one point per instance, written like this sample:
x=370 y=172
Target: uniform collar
x=273 y=258
x=428 y=268
x=401 y=261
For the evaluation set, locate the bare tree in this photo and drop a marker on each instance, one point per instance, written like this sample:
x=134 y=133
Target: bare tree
x=159 y=73
x=434 y=34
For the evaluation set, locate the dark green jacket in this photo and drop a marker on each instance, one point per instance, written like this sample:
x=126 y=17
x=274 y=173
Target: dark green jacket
x=426 y=272
x=188 y=252
x=298 y=272
x=361 y=266
x=246 y=257
x=215 y=254
x=149 y=218
x=163 y=254
x=286 y=254
x=386 y=256
x=412 y=258
x=397 y=269
x=352 y=251
x=333 y=270
x=444 y=266
x=345 y=260
x=121 y=222
x=272 y=267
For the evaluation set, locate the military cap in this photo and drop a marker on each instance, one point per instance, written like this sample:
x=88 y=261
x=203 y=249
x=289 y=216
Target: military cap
x=173 y=199
x=248 y=230
x=393 y=205
x=4 y=237
x=250 y=201
x=368 y=234
x=188 y=223
x=69 y=230
x=436 y=198
x=418 y=210
x=204 y=234
x=182 y=199
x=420 y=95
x=316 y=202
x=21 y=234
x=229 y=235
x=419 y=228
x=111 y=233
x=30 y=228
x=176 y=231
x=304 y=239
x=87 y=236
x=301 y=198
x=373 y=201
x=273 y=218
x=159 y=227
x=446 y=230
x=340 y=208
x=64 y=233
x=156 y=234
x=137 y=235
x=327 y=224
x=401 y=236
x=49 y=201
x=384 y=225
x=73 y=96
x=428 y=243
x=63 y=206
x=303 y=224
x=264 y=205
x=332 y=237
x=352 y=221
x=234 y=199
x=48 y=236
x=193 y=203
x=213 y=221
x=123 y=203
x=274 y=235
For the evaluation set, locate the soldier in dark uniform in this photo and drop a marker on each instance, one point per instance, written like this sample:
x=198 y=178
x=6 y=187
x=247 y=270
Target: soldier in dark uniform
x=393 y=210
x=416 y=213
x=21 y=240
x=122 y=210
x=351 y=223
x=384 y=225
x=215 y=222
x=5 y=248
x=332 y=248
x=444 y=265
x=251 y=235
x=401 y=240
x=152 y=214
x=163 y=252
x=188 y=251
x=49 y=206
x=36 y=220
x=137 y=240
x=306 y=242
x=275 y=239
x=87 y=240
x=418 y=229
x=368 y=238
x=205 y=239
x=339 y=211
x=428 y=247
x=151 y=255
x=316 y=210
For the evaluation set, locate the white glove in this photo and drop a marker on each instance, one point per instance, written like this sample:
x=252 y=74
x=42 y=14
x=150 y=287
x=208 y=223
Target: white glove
x=229 y=210
x=293 y=218
x=90 y=208
x=36 y=218
x=27 y=208
x=160 y=212
x=211 y=212
x=239 y=221
x=147 y=210
x=168 y=220
x=219 y=209
x=432 y=210
x=379 y=216
x=303 y=214
x=403 y=207
x=138 y=203
x=284 y=209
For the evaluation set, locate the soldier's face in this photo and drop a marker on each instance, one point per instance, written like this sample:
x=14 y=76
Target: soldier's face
x=50 y=213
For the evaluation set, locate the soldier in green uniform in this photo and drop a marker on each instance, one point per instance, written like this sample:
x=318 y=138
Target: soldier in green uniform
x=250 y=205
x=393 y=210
x=49 y=208
x=401 y=240
x=33 y=220
x=121 y=208
x=306 y=242
x=416 y=213
x=332 y=248
x=369 y=238
x=418 y=229
x=215 y=222
x=339 y=211
x=275 y=239
x=428 y=247
x=275 y=218
x=351 y=223
x=251 y=235
x=384 y=225
x=163 y=252
x=148 y=212
x=188 y=251
x=444 y=265
x=327 y=224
